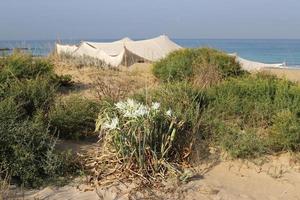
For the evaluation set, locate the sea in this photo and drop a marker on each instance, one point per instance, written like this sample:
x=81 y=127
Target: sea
x=262 y=50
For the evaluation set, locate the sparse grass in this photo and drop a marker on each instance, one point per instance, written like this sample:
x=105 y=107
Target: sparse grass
x=115 y=87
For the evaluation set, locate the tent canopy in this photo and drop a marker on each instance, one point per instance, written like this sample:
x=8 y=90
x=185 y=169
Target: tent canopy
x=250 y=65
x=124 y=51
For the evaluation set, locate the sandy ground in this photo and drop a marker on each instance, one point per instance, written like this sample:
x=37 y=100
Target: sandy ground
x=290 y=74
x=278 y=178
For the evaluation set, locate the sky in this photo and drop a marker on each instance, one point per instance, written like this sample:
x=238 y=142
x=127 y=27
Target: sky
x=111 y=19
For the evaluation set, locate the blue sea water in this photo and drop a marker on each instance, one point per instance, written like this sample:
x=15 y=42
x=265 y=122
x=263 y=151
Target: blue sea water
x=261 y=50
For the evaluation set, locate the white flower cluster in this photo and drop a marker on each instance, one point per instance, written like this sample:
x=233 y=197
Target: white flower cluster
x=134 y=109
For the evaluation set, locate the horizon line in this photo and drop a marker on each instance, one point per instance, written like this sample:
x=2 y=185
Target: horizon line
x=136 y=38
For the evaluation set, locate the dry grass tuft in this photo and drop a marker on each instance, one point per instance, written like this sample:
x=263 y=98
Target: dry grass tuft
x=4 y=185
x=207 y=75
x=117 y=85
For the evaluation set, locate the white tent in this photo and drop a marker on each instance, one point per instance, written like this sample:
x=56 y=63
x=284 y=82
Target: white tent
x=255 y=66
x=65 y=49
x=123 y=52
x=112 y=48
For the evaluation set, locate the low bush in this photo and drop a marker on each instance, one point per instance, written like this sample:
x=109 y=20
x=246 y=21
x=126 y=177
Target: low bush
x=73 y=117
x=253 y=115
x=238 y=143
x=23 y=66
x=20 y=66
x=32 y=95
x=192 y=64
x=178 y=66
x=285 y=131
x=25 y=146
x=27 y=90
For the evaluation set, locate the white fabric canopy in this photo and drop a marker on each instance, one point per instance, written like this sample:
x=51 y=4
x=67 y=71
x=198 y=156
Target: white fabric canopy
x=123 y=52
x=112 y=49
x=86 y=50
x=255 y=66
x=65 y=49
x=153 y=49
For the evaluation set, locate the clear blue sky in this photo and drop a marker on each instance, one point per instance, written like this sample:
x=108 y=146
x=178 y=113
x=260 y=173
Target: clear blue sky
x=83 y=19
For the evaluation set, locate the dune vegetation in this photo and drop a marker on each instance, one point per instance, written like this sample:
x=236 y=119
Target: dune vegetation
x=28 y=89
x=203 y=98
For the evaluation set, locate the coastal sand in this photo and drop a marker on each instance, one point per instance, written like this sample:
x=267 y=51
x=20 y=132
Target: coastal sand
x=278 y=179
x=290 y=74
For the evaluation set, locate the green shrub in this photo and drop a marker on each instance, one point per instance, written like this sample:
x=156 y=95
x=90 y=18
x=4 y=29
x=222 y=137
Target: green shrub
x=32 y=94
x=189 y=64
x=285 y=131
x=241 y=115
x=24 y=145
x=176 y=67
x=27 y=91
x=225 y=64
x=74 y=117
x=238 y=143
x=22 y=66
x=253 y=101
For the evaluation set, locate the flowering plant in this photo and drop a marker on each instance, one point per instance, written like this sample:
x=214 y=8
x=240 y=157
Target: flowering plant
x=142 y=134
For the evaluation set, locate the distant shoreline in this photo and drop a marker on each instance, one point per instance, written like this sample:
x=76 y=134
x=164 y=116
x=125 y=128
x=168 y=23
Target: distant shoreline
x=259 y=50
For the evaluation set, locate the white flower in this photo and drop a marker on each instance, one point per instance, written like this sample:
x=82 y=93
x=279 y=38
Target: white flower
x=131 y=103
x=141 y=111
x=169 y=113
x=138 y=111
x=111 y=125
x=155 y=106
x=132 y=108
x=120 y=105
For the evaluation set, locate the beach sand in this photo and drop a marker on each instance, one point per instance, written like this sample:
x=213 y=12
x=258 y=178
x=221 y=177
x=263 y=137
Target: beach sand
x=288 y=73
x=276 y=179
